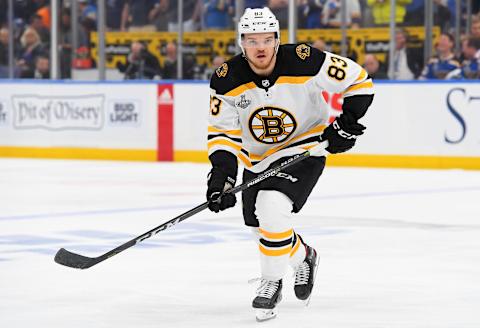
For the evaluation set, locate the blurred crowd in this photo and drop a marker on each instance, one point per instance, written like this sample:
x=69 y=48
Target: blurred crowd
x=32 y=34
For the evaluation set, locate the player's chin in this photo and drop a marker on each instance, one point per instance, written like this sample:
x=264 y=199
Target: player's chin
x=262 y=62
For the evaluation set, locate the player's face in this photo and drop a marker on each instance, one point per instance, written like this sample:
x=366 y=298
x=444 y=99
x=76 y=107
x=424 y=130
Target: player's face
x=260 y=49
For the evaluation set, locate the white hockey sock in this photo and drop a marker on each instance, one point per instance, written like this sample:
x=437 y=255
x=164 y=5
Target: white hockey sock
x=275 y=234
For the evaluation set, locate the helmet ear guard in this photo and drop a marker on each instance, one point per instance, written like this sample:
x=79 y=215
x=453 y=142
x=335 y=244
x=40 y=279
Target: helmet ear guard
x=258 y=20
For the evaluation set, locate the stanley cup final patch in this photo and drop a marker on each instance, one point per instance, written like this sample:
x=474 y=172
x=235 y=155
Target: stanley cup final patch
x=243 y=102
x=222 y=70
x=303 y=51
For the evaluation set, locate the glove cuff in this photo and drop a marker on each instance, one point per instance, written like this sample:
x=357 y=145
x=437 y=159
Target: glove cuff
x=225 y=162
x=342 y=133
x=347 y=128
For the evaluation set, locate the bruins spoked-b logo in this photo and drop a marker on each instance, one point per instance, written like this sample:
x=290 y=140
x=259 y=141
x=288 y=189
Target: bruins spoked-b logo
x=271 y=124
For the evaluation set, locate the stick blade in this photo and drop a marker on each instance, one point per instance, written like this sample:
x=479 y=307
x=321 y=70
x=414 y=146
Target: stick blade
x=73 y=260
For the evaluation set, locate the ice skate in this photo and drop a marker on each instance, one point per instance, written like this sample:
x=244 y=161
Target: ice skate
x=268 y=295
x=305 y=275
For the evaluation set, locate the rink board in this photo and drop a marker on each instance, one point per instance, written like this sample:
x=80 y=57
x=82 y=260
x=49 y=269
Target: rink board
x=414 y=124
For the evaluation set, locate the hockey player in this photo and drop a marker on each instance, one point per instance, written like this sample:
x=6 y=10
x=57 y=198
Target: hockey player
x=266 y=105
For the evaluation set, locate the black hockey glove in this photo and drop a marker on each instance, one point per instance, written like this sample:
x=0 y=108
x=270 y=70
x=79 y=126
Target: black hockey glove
x=221 y=178
x=342 y=134
x=218 y=182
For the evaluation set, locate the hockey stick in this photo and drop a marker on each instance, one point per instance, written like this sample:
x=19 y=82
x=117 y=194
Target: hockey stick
x=78 y=261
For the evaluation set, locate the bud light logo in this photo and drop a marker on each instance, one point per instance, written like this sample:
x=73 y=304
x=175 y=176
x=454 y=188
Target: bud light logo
x=124 y=113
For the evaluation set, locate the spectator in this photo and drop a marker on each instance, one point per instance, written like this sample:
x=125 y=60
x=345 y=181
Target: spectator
x=310 y=12
x=218 y=14
x=475 y=27
x=192 y=13
x=82 y=59
x=44 y=12
x=135 y=15
x=444 y=62
x=451 y=5
x=332 y=16
x=88 y=11
x=280 y=9
x=141 y=64
x=3 y=12
x=44 y=33
x=471 y=60
x=320 y=45
x=374 y=68
x=41 y=69
x=114 y=10
x=4 y=46
x=414 y=6
x=381 y=11
x=88 y=21
x=256 y=3
x=170 y=64
x=441 y=15
x=216 y=63
x=31 y=47
x=65 y=46
x=159 y=15
x=407 y=62
x=22 y=9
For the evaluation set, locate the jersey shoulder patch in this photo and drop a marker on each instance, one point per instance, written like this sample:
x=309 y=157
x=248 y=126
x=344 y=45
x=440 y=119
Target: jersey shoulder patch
x=301 y=59
x=230 y=75
x=222 y=70
x=303 y=51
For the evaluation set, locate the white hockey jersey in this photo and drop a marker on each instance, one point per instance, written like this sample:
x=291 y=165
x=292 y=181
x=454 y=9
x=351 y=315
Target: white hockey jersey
x=261 y=119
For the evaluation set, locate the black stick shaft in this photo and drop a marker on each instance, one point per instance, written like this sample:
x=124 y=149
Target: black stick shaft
x=73 y=260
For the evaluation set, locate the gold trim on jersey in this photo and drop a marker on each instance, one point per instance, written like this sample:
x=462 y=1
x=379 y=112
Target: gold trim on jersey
x=247 y=158
x=364 y=85
x=309 y=146
x=241 y=89
x=293 y=79
x=224 y=142
x=213 y=129
x=317 y=129
x=361 y=76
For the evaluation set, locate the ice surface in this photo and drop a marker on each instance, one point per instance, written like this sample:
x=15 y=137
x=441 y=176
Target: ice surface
x=399 y=248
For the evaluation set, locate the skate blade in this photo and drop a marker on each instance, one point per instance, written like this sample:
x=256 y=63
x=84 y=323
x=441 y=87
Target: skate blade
x=265 y=314
x=307 y=301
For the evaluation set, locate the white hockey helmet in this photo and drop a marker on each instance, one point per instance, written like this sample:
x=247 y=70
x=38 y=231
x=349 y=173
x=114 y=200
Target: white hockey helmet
x=258 y=20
